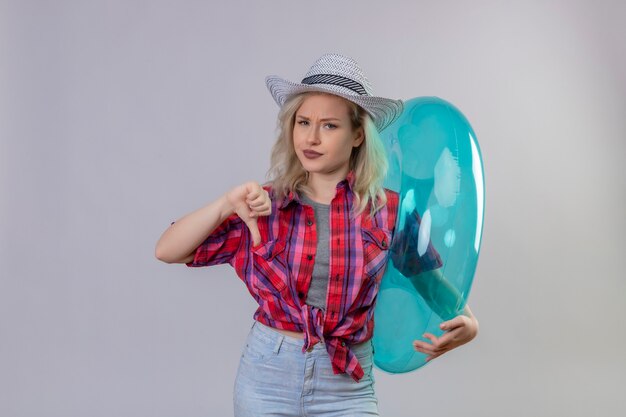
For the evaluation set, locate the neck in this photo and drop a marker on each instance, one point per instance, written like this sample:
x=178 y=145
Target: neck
x=325 y=185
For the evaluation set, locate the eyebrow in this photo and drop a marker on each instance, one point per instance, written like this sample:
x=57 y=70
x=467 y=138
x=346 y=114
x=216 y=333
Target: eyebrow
x=321 y=120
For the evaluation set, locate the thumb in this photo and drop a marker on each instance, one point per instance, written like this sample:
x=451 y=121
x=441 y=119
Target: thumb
x=253 y=226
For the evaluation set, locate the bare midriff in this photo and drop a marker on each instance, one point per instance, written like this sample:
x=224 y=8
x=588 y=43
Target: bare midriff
x=297 y=335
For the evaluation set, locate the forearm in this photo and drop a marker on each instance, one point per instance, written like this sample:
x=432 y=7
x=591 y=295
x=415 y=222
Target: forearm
x=440 y=295
x=182 y=238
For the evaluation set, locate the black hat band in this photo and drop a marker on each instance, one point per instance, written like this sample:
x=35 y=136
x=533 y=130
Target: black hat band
x=336 y=80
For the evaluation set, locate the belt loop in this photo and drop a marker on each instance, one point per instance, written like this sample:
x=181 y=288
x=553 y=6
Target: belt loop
x=279 y=342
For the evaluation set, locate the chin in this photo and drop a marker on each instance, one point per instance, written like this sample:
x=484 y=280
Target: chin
x=308 y=165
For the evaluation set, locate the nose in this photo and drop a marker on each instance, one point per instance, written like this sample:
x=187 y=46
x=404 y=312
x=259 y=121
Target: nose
x=312 y=135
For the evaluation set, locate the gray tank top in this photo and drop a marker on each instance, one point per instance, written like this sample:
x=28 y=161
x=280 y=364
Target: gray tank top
x=319 y=281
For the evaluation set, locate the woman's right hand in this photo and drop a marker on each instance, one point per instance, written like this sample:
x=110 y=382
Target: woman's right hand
x=249 y=201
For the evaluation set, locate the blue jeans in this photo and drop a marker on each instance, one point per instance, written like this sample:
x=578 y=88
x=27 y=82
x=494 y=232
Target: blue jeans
x=275 y=378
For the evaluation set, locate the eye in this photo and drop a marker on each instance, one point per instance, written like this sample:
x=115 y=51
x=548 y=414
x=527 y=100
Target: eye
x=302 y=121
x=330 y=125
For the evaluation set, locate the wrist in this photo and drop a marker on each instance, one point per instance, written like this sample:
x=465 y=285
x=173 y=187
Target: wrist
x=226 y=208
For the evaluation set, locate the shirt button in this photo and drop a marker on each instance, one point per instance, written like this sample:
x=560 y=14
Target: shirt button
x=309 y=257
x=301 y=294
x=309 y=222
x=343 y=343
x=384 y=243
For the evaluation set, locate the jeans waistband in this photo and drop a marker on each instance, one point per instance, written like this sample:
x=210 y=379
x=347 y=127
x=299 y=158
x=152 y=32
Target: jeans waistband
x=271 y=335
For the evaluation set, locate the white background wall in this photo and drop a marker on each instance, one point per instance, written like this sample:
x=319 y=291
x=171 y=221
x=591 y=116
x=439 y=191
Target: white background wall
x=119 y=116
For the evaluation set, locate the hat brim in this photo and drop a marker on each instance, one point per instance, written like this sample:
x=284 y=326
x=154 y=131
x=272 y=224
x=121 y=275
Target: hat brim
x=383 y=111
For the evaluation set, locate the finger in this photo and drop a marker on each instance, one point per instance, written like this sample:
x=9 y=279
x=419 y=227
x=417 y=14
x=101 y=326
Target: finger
x=253 y=194
x=254 y=230
x=255 y=203
x=258 y=199
x=458 y=337
x=430 y=346
x=422 y=345
x=254 y=197
x=265 y=205
x=424 y=348
x=453 y=323
x=433 y=339
x=446 y=340
x=428 y=349
x=261 y=207
x=437 y=344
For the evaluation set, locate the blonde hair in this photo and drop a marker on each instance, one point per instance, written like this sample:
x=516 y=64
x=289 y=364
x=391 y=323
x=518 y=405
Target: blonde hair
x=368 y=161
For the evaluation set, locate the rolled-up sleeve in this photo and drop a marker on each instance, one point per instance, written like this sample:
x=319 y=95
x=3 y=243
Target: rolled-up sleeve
x=221 y=245
x=406 y=251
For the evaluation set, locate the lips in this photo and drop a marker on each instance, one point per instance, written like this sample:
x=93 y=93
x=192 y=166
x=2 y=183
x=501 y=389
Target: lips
x=311 y=154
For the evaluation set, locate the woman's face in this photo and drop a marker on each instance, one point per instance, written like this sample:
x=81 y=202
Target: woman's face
x=323 y=137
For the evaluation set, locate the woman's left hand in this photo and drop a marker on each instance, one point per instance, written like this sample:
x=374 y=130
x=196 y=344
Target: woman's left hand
x=458 y=331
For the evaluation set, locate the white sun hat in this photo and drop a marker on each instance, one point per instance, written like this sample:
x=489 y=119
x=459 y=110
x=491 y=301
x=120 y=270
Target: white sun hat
x=342 y=76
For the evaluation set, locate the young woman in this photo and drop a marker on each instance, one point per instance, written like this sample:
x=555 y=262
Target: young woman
x=311 y=246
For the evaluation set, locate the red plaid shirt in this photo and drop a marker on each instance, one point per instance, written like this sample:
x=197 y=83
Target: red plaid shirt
x=277 y=272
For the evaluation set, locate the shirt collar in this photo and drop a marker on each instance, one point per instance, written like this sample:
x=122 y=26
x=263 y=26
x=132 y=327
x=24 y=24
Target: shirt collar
x=348 y=182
